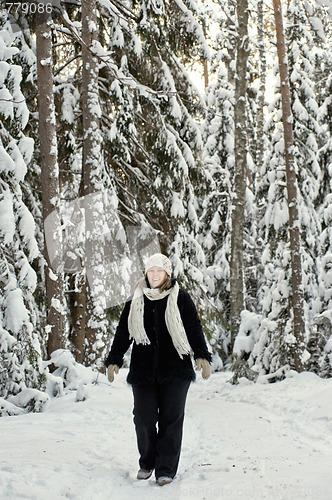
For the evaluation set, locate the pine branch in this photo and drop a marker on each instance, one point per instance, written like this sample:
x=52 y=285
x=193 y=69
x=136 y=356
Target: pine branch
x=70 y=60
x=106 y=60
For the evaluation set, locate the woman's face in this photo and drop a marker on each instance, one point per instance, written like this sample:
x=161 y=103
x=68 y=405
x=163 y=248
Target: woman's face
x=156 y=276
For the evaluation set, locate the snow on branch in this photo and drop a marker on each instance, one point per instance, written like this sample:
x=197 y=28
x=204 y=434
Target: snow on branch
x=195 y=27
x=105 y=58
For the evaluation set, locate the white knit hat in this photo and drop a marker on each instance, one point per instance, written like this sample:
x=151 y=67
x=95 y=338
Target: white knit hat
x=159 y=260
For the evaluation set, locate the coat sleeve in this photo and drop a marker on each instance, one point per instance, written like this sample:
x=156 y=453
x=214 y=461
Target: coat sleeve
x=193 y=327
x=121 y=341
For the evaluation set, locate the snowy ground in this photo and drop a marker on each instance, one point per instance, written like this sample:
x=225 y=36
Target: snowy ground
x=240 y=442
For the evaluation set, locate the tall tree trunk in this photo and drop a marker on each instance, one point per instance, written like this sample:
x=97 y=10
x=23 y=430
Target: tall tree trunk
x=236 y=267
x=54 y=276
x=204 y=60
x=92 y=190
x=294 y=223
x=231 y=42
x=78 y=315
x=262 y=85
x=205 y=73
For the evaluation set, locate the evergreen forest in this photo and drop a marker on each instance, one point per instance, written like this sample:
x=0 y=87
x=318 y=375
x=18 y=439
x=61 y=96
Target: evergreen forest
x=198 y=128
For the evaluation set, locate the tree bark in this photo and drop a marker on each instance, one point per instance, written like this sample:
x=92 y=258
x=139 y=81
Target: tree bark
x=238 y=204
x=92 y=190
x=262 y=85
x=294 y=223
x=78 y=315
x=54 y=276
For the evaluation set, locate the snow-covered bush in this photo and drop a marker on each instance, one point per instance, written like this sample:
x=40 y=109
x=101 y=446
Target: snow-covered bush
x=68 y=373
x=31 y=400
x=21 y=369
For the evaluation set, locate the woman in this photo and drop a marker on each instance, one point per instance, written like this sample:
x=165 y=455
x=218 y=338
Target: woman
x=162 y=320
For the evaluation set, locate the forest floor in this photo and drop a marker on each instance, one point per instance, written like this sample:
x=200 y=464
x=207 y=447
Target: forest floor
x=249 y=441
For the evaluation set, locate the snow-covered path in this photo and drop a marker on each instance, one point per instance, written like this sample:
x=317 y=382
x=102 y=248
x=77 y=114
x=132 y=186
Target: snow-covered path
x=240 y=442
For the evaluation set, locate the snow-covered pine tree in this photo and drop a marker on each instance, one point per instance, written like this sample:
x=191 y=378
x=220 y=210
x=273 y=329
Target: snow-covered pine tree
x=305 y=57
x=20 y=352
x=323 y=320
x=273 y=342
x=276 y=291
x=92 y=188
x=85 y=189
x=67 y=78
x=256 y=145
x=50 y=187
x=69 y=125
x=297 y=297
x=31 y=189
x=152 y=138
x=270 y=346
x=261 y=76
x=149 y=126
x=218 y=159
x=240 y=169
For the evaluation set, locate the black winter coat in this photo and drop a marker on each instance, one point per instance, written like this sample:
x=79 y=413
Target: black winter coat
x=159 y=361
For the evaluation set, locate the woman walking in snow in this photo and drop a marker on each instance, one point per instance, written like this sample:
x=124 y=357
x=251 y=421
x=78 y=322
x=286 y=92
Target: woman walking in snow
x=162 y=320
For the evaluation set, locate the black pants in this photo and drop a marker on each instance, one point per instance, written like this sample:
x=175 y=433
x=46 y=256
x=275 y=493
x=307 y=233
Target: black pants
x=158 y=417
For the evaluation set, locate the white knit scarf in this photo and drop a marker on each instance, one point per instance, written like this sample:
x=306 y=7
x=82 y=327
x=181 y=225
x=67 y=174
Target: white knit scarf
x=172 y=317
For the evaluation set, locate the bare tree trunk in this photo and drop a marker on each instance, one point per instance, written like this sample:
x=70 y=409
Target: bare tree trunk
x=204 y=61
x=92 y=190
x=294 y=223
x=54 y=276
x=236 y=267
x=205 y=73
x=261 y=97
x=231 y=42
x=78 y=314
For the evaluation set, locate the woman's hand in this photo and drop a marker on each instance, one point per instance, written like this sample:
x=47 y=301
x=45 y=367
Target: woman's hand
x=111 y=369
x=204 y=365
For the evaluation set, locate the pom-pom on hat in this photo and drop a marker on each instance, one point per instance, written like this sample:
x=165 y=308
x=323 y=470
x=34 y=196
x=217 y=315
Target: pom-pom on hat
x=159 y=260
